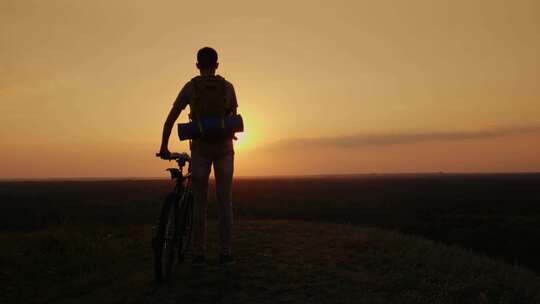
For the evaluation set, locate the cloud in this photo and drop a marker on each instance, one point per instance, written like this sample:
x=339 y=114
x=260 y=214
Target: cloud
x=384 y=139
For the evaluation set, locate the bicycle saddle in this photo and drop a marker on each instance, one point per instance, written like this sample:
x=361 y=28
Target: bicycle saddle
x=180 y=156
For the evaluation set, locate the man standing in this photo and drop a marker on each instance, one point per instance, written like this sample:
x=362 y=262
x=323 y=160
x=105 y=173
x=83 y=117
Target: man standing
x=208 y=95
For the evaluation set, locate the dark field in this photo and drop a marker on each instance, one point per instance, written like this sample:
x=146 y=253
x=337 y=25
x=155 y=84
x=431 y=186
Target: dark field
x=497 y=215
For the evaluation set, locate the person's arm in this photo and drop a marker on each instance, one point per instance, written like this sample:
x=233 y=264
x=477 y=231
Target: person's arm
x=179 y=104
x=167 y=128
x=231 y=95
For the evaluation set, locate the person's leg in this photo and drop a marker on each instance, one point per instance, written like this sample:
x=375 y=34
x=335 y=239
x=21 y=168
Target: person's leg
x=223 y=171
x=200 y=170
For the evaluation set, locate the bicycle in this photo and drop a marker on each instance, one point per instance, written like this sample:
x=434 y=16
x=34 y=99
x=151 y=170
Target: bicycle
x=172 y=234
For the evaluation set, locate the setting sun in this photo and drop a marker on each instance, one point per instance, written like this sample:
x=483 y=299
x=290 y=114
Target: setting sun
x=241 y=140
x=249 y=139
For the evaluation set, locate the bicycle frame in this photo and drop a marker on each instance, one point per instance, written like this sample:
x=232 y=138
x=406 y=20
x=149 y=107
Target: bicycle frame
x=182 y=182
x=176 y=215
x=182 y=189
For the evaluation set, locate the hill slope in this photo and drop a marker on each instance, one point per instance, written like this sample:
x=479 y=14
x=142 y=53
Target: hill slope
x=278 y=261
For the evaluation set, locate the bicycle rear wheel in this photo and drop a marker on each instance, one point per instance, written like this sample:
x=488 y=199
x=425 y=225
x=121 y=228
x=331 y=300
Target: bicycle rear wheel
x=173 y=237
x=166 y=242
x=185 y=224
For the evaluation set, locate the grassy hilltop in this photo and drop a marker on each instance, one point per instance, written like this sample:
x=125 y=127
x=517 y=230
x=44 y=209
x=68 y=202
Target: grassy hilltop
x=296 y=240
x=278 y=261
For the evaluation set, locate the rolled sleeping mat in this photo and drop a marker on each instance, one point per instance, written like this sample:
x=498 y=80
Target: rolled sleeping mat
x=211 y=127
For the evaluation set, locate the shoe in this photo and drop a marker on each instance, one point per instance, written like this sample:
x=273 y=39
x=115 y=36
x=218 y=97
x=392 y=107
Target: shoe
x=226 y=260
x=198 y=261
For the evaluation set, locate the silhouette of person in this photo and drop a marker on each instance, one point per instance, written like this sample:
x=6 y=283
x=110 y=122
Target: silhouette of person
x=207 y=95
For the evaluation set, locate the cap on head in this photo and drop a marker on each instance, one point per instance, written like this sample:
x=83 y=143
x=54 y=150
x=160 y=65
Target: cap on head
x=207 y=58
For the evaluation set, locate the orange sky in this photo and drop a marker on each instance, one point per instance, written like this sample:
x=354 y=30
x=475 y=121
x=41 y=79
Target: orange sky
x=324 y=86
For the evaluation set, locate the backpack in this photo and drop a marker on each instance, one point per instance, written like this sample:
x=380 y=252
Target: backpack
x=208 y=99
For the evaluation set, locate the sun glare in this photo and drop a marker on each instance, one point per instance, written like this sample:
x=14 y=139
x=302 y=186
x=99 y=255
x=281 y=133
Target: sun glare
x=242 y=140
x=247 y=140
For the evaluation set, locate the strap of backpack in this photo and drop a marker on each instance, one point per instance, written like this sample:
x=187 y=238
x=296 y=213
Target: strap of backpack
x=224 y=91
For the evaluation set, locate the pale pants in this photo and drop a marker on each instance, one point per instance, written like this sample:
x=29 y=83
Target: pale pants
x=201 y=163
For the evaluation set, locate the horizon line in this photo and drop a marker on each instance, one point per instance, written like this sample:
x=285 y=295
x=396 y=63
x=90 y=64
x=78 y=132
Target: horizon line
x=142 y=178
